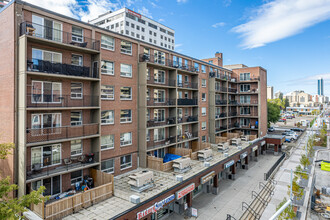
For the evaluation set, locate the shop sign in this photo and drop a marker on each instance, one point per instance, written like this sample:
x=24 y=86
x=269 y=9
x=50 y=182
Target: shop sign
x=154 y=208
x=255 y=148
x=243 y=155
x=185 y=191
x=193 y=212
x=263 y=143
x=230 y=163
x=207 y=177
x=133 y=13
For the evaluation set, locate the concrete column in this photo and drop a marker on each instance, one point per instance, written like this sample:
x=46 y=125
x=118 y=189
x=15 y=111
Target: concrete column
x=189 y=199
x=256 y=155
x=275 y=149
x=233 y=171
x=247 y=162
x=215 y=188
x=263 y=150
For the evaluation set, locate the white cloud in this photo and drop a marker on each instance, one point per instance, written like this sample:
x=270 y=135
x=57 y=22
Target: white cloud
x=65 y=7
x=181 y=1
x=97 y=7
x=219 y=24
x=178 y=45
x=227 y=3
x=279 y=19
x=144 y=11
x=161 y=20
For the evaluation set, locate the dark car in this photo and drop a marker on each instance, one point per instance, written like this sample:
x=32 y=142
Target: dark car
x=284 y=133
x=297 y=129
x=271 y=129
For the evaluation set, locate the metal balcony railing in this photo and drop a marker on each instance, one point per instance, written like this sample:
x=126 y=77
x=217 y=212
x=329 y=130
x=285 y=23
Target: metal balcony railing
x=44 y=66
x=57 y=133
x=165 y=142
x=160 y=122
x=253 y=102
x=161 y=102
x=187 y=136
x=187 y=119
x=233 y=102
x=189 y=85
x=56 y=101
x=249 y=79
x=187 y=102
x=222 y=128
x=49 y=166
x=232 y=90
x=161 y=81
x=233 y=114
x=221 y=102
x=220 y=89
x=57 y=35
x=221 y=115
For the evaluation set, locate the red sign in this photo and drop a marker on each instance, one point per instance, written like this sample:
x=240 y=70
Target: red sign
x=185 y=191
x=134 y=13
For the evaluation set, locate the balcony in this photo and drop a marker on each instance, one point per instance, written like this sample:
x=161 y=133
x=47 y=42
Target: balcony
x=60 y=101
x=54 y=167
x=220 y=89
x=233 y=126
x=161 y=102
x=252 y=91
x=233 y=102
x=249 y=115
x=249 y=79
x=187 y=119
x=221 y=115
x=222 y=128
x=157 y=144
x=254 y=102
x=188 y=85
x=44 y=66
x=161 y=81
x=58 y=133
x=160 y=122
x=187 y=136
x=187 y=102
x=58 y=36
x=232 y=114
x=221 y=102
x=232 y=90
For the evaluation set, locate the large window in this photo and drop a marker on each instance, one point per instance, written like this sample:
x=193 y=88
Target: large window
x=107 y=42
x=76 y=90
x=76 y=147
x=245 y=121
x=245 y=111
x=203 y=69
x=125 y=93
x=125 y=139
x=245 y=87
x=107 y=67
x=44 y=28
x=107 y=92
x=46 y=92
x=46 y=155
x=76 y=60
x=107 y=117
x=159 y=134
x=125 y=70
x=196 y=65
x=125 y=116
x=159 y=95
x=47 y=120
x=107 y=142
x=159 y=76
x=77 y=34
x=108 y=166
x=245 y=99
x=76 y=118
x=159 y=115
x=38 y=55
x=159 y=57
x=76 y=176
x=125 y=162
x=52 y=185
x=244 y=76
x=126 y=47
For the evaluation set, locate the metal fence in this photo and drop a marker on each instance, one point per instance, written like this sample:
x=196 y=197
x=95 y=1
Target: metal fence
x=271 y=170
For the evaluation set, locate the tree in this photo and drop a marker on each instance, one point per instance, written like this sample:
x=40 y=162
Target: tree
x=11 y=208
x=288 y=212
x=297 y=190
x=273 y=112
x=304 y=161
x=300 y=172
x=286 y=103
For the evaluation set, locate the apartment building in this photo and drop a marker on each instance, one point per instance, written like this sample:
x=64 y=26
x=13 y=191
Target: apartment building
x=77 y=96
x=270 y=92
x=137 y=26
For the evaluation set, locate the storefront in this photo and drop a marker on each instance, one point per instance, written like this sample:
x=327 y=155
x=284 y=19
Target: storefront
x=255 y=153
x=184 y=199
x=228 y=169
x=207 y=182
x=243 y=160
x=159 y=209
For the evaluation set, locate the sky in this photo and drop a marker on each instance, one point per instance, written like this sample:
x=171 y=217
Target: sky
x=289 y=38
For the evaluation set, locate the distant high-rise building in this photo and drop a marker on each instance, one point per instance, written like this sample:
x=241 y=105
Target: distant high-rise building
x=270 y=92
x=278 y=95
x=320 y=89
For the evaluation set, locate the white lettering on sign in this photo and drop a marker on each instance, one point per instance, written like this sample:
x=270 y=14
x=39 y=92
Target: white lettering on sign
x=243 y=155
x=185 y=191
x=207 y=177
x=230 y=163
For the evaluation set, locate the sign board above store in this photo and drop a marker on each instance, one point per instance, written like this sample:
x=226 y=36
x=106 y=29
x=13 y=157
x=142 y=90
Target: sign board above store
x=229 y=164
x=181 y=193
x=243 y=155
x=154 y=208
x=207 y=177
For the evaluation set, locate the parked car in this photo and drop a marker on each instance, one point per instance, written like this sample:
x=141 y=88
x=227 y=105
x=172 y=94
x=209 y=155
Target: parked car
x=288 y=117
x=290 y=136
x=297 y=129
x=271 y=129
x=287 y=140
x=282 y=120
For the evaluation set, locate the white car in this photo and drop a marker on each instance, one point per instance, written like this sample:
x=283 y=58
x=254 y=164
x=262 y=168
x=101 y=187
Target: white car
x=291 y=137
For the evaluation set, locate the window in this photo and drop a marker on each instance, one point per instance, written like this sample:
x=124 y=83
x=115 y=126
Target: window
x=46 y=155
x=211 y=62
x=125 y=139
x=125 y=93
x=127 y=32
x=203 y=138
x=204 y=97
x=204 y=125
x=244 y=76
x=125 y=116
x=203 y=69
x=170 y=33
x=159 y=76
x=159 y=115
x=107 y=42
x=142 y=29
x=38 y=55
x=76 y=90
x=108 y=166
x=148 y=135
x=107 y=117
x=245 y=110
x=77 y=34
x=203 y=111
x=53 y=185
x=159 y=134
x=76 y=118
x=132 y=34
x=159 y=95
x=162 y=30
x=76 y=60
x=107 y=92
x=159 y=57
x=107 y=67
x=107 y=142
x=137 y=27
x=148 y=73
x=47 y=120
x=152 y=25
x=125 y=70
x=127 y=23
x=125 y=162
x=186 y=112
x=44 y=28
x=196 y=67
x=132 y=25
x=245 y=122
x=155 y=34
x=76 y=176
x=126 y=47
x=142 y=37
x=46 y=92
x=203 y=82
x=245 y=87
x=245 y=99
x=148 y=94
x=137 y=35
x=76 y=147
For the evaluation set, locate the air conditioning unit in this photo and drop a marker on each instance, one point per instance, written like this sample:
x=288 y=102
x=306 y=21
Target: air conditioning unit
x=205 y=155
x=182 y=164
x=223 y=147
x=179 y=178
x=141 y=181
x=207 y=164
x=244 y=138
x=225 y=154
x=235 y=141
x=135 y=199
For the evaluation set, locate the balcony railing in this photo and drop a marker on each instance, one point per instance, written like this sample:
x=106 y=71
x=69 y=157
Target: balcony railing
x=250 y=79
x=222 y=128
x=187 y=119
x=156 y=144
x=253 y=102
x=161 y=122
x=249 y=115
x=161 y=81
x=189 y=85
x=187 y=136
x=50 y=167
x=232 y=90
x=187 y=102
x=56 y=133
x=161 y=102
x=221 y=102
x=221 y=115
x=249 y=91
x=57 y=101
x=232 y=114
x=56 y=35
x=233 y=102
x=44 y=66
x=221 y=89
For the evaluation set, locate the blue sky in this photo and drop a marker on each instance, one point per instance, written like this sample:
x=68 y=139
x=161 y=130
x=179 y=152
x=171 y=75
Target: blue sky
x=290 y=38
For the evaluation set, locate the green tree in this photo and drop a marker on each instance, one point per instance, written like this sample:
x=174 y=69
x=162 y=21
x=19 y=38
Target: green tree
x=297 y=190
x=273 y=112
x=288 y=212
x=12 y=208
x=304 y=161
x=286 y=103
x=300 y=172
